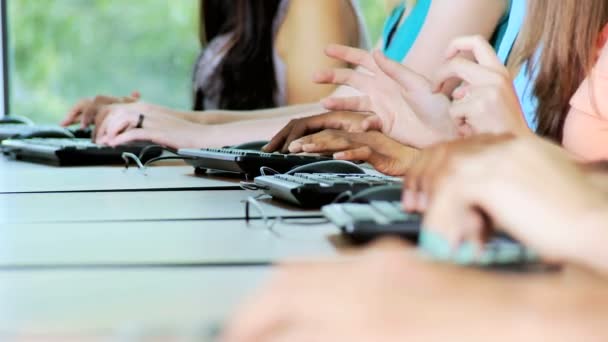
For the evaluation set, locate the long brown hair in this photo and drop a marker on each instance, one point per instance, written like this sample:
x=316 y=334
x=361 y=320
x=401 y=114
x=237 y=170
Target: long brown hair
x=567 y=31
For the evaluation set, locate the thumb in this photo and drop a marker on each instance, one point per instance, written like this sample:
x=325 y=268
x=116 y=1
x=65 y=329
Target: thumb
x=404 y=76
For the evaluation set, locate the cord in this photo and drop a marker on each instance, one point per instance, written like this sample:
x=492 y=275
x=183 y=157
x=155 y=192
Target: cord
x=160 y=147
x=271 y=171
x=252 y=186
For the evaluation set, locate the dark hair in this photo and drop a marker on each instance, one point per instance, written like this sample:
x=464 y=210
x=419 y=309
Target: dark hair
x=246 y=73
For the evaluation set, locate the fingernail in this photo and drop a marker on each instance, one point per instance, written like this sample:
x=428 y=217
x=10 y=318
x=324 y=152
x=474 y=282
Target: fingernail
x=339 y=155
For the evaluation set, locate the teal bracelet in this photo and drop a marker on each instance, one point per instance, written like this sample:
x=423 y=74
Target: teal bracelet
x=497 y=251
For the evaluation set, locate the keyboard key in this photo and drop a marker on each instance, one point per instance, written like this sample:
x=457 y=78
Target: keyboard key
x=363 y=212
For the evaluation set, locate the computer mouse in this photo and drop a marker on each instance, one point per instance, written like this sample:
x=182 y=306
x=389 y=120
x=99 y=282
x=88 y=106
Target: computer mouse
x=13 y=120
x=46 y=133
x=328 y=166
x=253 y=145
x=385 y=193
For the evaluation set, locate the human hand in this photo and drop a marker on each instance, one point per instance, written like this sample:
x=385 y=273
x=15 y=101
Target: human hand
x=527 y=187
x=87 y=110
x=120 y=127
x=486 y=102
x=406 y=108
x=383 y=153
x=297 y=128
x=387 y=293
x=424 y=174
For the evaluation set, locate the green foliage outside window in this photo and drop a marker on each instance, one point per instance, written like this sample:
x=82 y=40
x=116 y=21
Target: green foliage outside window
x=63 y=50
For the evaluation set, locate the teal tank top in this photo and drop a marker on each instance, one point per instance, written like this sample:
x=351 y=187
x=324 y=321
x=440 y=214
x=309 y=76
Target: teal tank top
x=524 y=81
x=398 y=40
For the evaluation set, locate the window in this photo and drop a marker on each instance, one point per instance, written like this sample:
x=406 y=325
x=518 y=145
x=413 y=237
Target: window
x=63 y=50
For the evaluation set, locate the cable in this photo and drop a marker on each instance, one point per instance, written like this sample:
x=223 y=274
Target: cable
x=160 y=147
x=271 y=171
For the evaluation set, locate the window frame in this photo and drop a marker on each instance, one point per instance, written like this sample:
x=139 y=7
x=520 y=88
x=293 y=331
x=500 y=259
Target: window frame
x=4 y=70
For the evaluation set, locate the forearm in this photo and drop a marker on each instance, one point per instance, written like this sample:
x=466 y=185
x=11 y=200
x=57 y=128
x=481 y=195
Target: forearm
x=218 y=117
x=243 y=131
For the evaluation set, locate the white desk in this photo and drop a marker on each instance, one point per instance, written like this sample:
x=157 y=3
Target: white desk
x=154 y=243
x=132 y=206
x=85 y=305
x=81 y=265
x=16 y=179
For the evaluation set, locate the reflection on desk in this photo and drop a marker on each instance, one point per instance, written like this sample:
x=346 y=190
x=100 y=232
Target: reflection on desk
x=54 y=179
x=161 y=243
x=133 y=206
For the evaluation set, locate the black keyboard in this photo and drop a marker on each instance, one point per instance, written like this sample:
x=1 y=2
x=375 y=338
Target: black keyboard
x=71 y=152
x=313 y=190
x=245 y=162
x=8 y=131
x=364 y=222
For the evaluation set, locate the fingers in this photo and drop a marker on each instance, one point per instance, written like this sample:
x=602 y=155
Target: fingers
x=446 y=214
x=141 y=134
x=362 y=153
x=465 y=70
x=351 y=104
x=463 y=109
x=101 y=122
x=406 y=78
x=480 y=48
x=421 y=178
x=88 y=109
x=300 y=129
x=352 y=56
x=75 y=112
x=454 y=214
x=343 y=76
x=278 y=139
x=115 y=125
x=461 y=92
x=327 y=141
x=89 y=114
x=373 y=123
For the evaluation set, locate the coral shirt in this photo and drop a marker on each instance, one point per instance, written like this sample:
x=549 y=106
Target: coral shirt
x=586 y=126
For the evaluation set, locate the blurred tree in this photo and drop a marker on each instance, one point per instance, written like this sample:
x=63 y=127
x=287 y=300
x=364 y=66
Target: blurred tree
x=63 y=50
